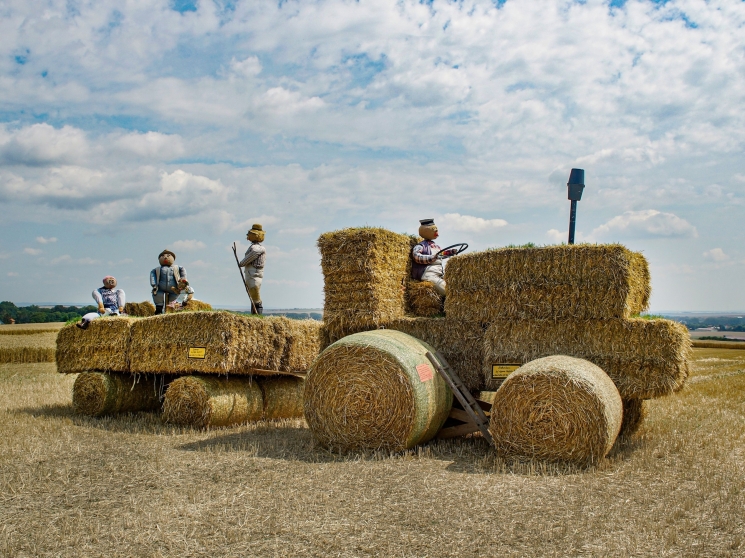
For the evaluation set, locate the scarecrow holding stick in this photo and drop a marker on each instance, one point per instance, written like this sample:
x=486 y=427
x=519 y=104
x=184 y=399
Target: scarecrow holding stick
x=253 y=267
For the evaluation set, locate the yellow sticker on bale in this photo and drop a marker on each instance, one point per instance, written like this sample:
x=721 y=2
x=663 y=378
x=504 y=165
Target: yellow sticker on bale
x=197 y=352
x=501 y=371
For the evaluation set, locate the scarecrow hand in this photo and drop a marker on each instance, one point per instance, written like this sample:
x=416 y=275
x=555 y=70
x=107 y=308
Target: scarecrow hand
x=155 y=290
x=101 y=310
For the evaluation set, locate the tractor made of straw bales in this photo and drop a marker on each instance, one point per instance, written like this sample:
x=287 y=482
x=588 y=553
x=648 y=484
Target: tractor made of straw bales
x=548 y=338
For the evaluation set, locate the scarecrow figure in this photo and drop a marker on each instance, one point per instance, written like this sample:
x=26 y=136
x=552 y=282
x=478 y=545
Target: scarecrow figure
x=253 y=264
x=427 y=264
x=109 y=299
x=164 y=280
x=186 y=293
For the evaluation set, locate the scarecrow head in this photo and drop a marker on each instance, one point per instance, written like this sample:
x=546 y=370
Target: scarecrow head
x=256 y=233
x=428 y=229
x=166 y=257
x=109 y=282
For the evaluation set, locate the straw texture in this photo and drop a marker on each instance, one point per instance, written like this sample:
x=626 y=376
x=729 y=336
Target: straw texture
x=193 y=305
x=232 y=344
x=95 y=394
x=634 y=413
x=140 y=309
x=34 y=347
x=203 y=402
x=556 y=408
x=103 y=347
x=459 y=341
x=558 y=282
x=364 y=270
x=283 y=397
x=422 y=299
x=365 y=393
x=644 y=358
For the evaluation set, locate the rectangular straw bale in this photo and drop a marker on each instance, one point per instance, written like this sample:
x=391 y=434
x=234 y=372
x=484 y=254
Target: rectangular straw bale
x=233 y=344
x=422 y=299
x=103 y=347
x=559 y=282
x=364 y=271
x=459 y=341
x=644 y=358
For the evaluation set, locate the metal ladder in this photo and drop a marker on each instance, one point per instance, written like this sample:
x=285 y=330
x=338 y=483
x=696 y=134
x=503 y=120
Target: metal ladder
x=470 y=405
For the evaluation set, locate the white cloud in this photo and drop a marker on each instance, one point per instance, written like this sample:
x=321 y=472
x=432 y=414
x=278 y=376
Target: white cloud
x=32 y=251
x=556 y=236
x=286 y=282
x=716 y=255
x=41 y=145
x=188 y=245
x=150 y=145
x=69 y=260
x=299 y=231
x=469 y=223
x=44 y=240
x=646 y=223
x=12 y=274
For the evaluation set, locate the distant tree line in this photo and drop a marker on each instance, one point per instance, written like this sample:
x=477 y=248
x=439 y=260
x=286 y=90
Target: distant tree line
x=722 y=323
x=36 y=315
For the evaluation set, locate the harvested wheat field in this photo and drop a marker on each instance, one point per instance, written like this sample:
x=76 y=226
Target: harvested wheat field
x=131 y=486
x=27 y=345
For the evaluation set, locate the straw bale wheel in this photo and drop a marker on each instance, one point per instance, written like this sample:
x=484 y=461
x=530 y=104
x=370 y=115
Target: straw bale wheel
x=557 y=408
x=375 y=390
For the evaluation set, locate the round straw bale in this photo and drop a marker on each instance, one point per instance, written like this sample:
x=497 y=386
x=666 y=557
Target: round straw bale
x=556 y=408
x=193 y=305
x=283 y=397
x=95 y=394
x=375 y=390
x=634 y=412
x=143 y=309
x=207 y=402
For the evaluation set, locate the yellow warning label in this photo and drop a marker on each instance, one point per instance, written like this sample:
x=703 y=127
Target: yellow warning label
x=197 y=352
x=501 y=371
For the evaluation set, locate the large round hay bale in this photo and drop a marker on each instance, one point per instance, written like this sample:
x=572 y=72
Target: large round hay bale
x=556 y=408
x=193 y=305
x=283 y=397
x=143 y=309
x=375 y=390
x=207 y=402
x=95 y=393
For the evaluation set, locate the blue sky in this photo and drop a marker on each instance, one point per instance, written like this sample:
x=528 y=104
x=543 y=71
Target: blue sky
x=128 y=127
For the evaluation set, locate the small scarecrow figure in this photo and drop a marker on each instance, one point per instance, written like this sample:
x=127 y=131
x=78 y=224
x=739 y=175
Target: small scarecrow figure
x=253 y=264
x=186 y=293
x=427 y=265
x=164 y=280
x=109 y=299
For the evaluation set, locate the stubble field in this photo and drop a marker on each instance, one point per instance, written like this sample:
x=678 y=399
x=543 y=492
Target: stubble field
x=131 y=486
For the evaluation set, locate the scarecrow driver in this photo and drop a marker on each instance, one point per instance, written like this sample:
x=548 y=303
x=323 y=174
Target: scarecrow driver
x=165 y=280
x=427 y=264
x=253 y=266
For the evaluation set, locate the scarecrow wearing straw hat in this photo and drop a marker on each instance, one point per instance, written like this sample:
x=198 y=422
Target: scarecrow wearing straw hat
x=253 y=264
x=164 y=280
x=109 y=299
x=427 y=256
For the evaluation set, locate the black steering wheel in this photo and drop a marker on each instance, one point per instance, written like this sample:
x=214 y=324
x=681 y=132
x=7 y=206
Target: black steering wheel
x=459 y=249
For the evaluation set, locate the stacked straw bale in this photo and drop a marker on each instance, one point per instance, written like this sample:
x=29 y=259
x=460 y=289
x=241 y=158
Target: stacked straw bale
x=365 y=271
x=143 y=309
x=375 y=390
x=555 y=282
x=232 y=343
x=209 y=402
x=34 y=347
x=103 y=347
x=203 y=401
x=422 y=299
x=193 y=305
x=460 y=342
x=645 y=358
x=95 y=393
x=556 y=408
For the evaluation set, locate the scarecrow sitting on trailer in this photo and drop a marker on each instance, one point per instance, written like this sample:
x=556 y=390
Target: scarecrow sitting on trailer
x=253 y=264
x=164 y=280
x=427 y=264
x=109 y=299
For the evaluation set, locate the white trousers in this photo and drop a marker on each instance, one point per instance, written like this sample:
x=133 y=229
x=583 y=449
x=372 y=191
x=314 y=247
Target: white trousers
x=434 y=274
x=253 y=278
x=90 y=316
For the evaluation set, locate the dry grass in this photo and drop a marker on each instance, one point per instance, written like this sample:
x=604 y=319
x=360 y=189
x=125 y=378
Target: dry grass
x=131 y=486
x=30 y=329
x=30 y=347
x=559 y=408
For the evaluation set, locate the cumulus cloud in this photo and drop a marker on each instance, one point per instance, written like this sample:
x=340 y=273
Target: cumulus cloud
x=188 y=245
x=298 y=231
x=12 y=274
x=469 y=223
x=42 y=145
x=149 y=145
x=646 y=223
x=44 y=240
x=716 y=255
x=32 y=251
x=66 y=259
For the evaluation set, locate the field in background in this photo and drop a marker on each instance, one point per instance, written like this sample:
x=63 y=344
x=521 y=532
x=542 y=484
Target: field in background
x=131 y=486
